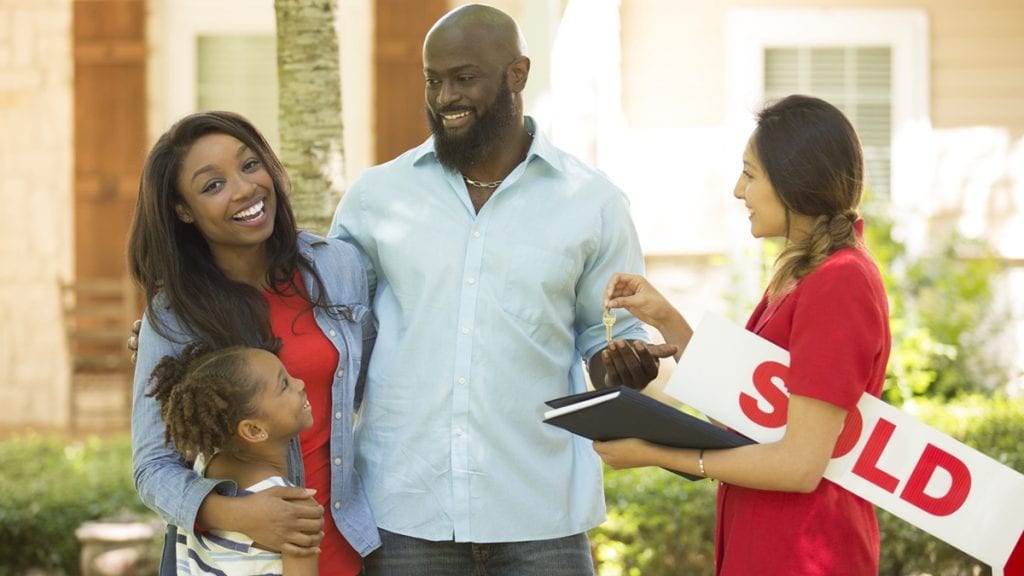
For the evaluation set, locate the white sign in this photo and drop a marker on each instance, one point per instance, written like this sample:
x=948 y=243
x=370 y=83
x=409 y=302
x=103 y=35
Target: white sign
x=883 y=455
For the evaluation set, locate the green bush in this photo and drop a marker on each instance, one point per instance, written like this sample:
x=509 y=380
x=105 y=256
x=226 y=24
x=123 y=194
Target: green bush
x=953 y=298
x=943 y=313
x=660 y=524
x=48 y=488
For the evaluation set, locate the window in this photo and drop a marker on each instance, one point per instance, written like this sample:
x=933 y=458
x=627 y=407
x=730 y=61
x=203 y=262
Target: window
x=207 y=55
x=871 y=63
x=857 y=79
x=239 y=73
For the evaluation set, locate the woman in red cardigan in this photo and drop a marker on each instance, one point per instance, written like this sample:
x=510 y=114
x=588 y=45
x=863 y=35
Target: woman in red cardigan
x=802 y=180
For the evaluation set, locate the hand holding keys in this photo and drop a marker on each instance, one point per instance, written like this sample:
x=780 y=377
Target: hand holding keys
x=608 y=318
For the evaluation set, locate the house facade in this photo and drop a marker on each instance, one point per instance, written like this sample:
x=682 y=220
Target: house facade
x=658 y=93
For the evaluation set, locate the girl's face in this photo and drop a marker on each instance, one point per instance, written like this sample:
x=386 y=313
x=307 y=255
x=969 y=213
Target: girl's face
x=283 y=408
x=767 y=213
x=227 y=194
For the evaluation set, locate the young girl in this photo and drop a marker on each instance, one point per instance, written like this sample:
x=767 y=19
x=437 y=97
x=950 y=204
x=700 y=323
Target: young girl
x=234 y=410
x=802 y=180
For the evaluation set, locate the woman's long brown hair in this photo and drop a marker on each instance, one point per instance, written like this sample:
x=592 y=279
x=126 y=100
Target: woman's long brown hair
x=166 y=255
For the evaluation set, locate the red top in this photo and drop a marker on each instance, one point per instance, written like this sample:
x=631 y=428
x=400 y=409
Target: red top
x=835 y=325
x=309 y=355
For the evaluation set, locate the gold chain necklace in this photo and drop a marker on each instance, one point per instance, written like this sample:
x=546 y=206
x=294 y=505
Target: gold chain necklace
x=480 y=184
x=492 y=184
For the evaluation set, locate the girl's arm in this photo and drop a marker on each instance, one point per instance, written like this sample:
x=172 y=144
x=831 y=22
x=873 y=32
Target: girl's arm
x=293 y=565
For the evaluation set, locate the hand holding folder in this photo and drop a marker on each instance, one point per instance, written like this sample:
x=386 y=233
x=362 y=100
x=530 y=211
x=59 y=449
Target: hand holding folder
x=621 y=412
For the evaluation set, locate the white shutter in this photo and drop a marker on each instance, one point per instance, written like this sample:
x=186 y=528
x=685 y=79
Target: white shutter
x=857 y=79
x=239 y=73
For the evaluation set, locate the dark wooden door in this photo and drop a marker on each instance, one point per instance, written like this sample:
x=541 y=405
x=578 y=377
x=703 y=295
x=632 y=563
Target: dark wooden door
x=109 y=149
x=109 y=129
x=398 y=73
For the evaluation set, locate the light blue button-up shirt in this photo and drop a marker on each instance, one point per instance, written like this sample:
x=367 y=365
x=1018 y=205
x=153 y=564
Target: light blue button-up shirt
x=482 y=318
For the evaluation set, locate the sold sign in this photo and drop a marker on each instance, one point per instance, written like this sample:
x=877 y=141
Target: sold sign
x=883 y=455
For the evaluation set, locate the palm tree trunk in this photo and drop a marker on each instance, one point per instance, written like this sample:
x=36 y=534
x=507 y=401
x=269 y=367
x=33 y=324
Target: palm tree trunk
x=309 y=107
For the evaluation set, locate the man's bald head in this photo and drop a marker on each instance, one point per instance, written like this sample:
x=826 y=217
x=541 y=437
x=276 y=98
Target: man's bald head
x=480 y=24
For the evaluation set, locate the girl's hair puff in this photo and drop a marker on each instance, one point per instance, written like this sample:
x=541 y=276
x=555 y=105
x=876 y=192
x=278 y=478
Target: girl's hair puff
x=203 y=394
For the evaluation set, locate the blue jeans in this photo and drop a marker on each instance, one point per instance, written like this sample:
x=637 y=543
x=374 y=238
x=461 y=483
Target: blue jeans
x=405 y=556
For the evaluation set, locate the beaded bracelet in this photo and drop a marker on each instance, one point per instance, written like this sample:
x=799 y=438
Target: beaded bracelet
x=700 y=462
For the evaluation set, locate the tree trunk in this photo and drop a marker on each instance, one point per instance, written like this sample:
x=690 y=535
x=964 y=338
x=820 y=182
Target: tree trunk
x=309 y=107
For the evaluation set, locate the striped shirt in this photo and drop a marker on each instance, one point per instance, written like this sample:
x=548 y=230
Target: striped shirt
x=225 y=553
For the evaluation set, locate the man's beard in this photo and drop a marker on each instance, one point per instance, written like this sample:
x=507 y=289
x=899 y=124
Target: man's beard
x=460 y=152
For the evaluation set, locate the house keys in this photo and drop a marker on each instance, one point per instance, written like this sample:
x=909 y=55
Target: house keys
x=608 y=319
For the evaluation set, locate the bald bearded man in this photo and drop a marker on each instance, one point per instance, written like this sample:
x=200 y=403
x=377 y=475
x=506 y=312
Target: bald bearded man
x=492 y=249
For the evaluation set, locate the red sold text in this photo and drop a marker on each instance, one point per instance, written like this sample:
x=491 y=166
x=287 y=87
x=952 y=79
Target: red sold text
x=768 y=380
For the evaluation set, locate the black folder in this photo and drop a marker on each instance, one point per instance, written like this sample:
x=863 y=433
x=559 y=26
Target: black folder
x=621 y=412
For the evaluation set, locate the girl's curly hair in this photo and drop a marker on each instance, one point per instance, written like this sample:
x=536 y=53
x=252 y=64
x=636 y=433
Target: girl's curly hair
x=203 y=394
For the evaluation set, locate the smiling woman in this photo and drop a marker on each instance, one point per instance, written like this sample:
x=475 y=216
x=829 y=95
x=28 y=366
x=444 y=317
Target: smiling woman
x=205 y=170
x=228 y=194
x=802 y=180
x=215 y=247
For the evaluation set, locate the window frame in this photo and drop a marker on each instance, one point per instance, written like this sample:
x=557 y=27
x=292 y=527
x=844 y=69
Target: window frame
x=749 y=31
x=175 y=27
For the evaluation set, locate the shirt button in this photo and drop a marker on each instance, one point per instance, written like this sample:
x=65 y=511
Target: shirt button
x=465 y=330
x=462 y=380
x=472 y=280
x=333 y=333
x=337 y=505
x=337 y=415
x=341 y=373
x=337 y=461
x=459 y=432
x=476 y=233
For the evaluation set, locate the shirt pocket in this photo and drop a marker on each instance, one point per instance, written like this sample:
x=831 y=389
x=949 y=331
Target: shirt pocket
x=539 y=286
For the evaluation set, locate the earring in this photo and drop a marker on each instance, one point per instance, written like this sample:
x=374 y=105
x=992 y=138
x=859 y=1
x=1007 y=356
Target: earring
x=186 y=219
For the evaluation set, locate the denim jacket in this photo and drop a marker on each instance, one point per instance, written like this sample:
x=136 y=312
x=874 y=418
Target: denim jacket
x=169 y=487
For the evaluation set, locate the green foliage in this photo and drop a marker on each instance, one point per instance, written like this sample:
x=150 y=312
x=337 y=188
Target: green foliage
x=942 y=313
x=953 y=299
x=660 y=524
x=48 y=488
x=990 y=424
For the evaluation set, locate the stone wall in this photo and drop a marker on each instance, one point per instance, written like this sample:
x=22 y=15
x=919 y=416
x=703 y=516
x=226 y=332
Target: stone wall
x=35 y=192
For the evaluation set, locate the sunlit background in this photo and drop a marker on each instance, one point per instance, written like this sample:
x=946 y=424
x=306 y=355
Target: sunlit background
x=657 y=93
